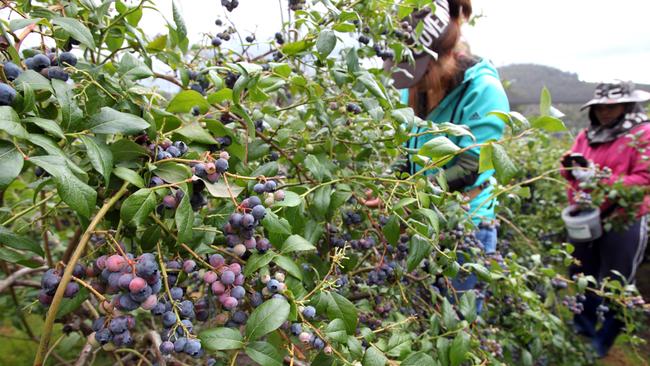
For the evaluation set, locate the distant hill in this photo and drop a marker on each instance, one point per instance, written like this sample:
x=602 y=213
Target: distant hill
x=527 y=80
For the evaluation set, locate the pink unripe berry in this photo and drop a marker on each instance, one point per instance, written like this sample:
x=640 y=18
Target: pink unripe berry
x=115 y=262
x=269 y=201
x=101 y=262
x=210 y=168
x=250 y=243
x=149 y=303
x=239 y=280
x=280 y=276
x=239 y=250
x=137 y=284
x=218 y=288
x=265 y=278
x=213 y=177
x=169 y=201
x=224 y=155
x=217 y=260
x=189 y=266
x=235 y=268
x=230 y=303
x=327 y=350
x=304 y=337
x=279 y=195
x=210 y=277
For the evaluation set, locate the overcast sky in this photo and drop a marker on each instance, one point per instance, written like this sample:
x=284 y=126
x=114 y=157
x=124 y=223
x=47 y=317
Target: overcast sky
x=598 y=39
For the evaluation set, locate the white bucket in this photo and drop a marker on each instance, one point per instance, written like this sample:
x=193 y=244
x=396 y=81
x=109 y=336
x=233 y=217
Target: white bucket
x=582 y=225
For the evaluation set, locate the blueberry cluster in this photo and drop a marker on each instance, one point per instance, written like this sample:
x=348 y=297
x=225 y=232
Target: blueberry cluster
x=51 y=280
x=574 y=304
x=47 y=64
x=114 y=329
x=274 y=285
x=199 y=83
x=385 y=54
x=279 y=38
x=559 y=283
x=385 y=272
x=225 y=281
x=230 y=5
x=492 y=346
x=363 y=39
x=168 y=149
x=241 y=226
x=363 y=243
x=212 y=170
x=135 y=280
x=353 y=108
x=352 y=218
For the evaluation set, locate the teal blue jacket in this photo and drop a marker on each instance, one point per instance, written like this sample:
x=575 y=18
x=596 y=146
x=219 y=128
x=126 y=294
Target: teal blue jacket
x=480 y=93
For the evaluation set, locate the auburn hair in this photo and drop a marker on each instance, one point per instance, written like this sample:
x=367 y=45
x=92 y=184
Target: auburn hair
x=446 y=73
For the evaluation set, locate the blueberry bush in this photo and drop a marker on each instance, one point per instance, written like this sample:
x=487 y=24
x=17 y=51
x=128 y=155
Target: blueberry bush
x=229 y=222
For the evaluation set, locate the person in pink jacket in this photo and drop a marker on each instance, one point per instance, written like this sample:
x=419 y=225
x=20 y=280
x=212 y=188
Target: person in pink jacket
x=617 y=138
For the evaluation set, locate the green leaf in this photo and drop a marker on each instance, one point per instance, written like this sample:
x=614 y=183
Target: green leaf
x=295 y=48
x=257 y=261
x=339 y=307
x=459 y=349
x=129 y=175
x=76 y=29
x=291 y=199
x=337 y=331
x=221 y=190
x=418 y=359
x=438 y=148
x=137 y=207
x=127 y=150
x=418 y=250
x=29 y=99
x=132 y=68
x=266 y=318
x=181 y=30
x=485 y=158
x=196 y=133
x=77 y=194
x=110 y=121
x=100 y=156
x=10 y=122
x=16 y=24
x=296 y=243
x=35 y=81
x=184 y=218
x=221 y=339
x=325 y=43
x=8 y=238
x=373 y=357
x=467 y=306
x=53 y=149
x=70 y=305
x=545 y=102
x=184 y=101
x=46 y=125
x=264 y=354
x=11 y=163
x=391 y=230
x=321 y=201
x=449 y=317
x=505 y=168
x=13 y=256
x=399 y=345
x=315 y=167
x=273 y=223
x=172 y=172
x=549 y=124
x=288 y=265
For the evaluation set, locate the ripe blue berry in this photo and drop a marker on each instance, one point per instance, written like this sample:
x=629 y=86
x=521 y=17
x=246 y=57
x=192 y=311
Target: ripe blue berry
x=309 y=312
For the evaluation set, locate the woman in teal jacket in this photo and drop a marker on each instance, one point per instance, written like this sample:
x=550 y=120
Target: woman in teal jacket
x=447 y=84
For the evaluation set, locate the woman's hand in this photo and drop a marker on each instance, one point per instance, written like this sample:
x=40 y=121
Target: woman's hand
x=370 y=201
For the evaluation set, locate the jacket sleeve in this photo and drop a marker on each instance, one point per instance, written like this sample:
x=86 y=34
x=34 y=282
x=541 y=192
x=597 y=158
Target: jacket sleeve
x=639 y=172
x=485 y=96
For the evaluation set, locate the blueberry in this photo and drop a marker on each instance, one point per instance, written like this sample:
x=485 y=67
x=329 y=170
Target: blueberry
x=55 y=72
x=173 y=151
x=258 y=212
x=238 y=292
x=195 y=111
x=216 y=42
x=166 y=347
x=259 y=188
x=38 y=62
x=180 y=343
x=67 y=58
x=169 y=318
x=103 y=336
x=309 y=312
x=248 y=221
x=177 y=293
x=186 y=309
x=118 y=325
x=239 y=317
x=256 y=299
x=250 y=38
x=98 y=324
x=199 y=170
x=296 y=329
x=197 y=88
x=159 y=309
x=273 y=285
x=270 y=185
x=221 y=165
x=7 y=94
x=228 y=278
x=12 y=71
x=193 y=348
x=180 y=145
x=254 y=201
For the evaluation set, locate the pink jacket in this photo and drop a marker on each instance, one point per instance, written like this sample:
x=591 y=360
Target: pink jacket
x=628 y=157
